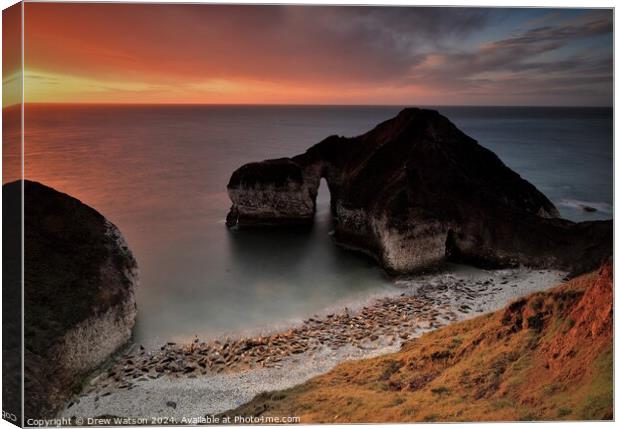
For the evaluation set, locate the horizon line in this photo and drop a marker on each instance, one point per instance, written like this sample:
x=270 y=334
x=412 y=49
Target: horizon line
x=111 y=104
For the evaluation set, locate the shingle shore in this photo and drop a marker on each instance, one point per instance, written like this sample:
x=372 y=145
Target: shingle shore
x=424 y=303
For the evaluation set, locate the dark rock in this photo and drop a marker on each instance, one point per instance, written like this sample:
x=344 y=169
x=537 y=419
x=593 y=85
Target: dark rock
x=414 y=191
x=536 y=322
x=79 y=303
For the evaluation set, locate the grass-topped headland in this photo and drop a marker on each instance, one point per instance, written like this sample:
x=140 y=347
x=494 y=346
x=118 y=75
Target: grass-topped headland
x=547 y=356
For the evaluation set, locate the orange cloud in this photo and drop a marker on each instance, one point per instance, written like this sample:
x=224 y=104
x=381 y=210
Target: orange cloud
x=175 y=53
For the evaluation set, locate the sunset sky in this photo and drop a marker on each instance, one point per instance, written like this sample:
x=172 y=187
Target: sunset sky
x=137 y=53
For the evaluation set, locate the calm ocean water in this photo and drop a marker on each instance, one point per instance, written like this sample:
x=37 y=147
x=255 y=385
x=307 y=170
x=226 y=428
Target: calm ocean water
x=160 y=173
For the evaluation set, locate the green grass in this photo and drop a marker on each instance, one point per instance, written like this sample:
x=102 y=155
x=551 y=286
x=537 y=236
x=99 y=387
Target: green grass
x=600 y=395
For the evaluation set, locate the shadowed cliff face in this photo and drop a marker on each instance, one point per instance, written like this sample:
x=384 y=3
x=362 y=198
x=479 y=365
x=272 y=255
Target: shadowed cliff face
x=414 y=191
x=79 y=302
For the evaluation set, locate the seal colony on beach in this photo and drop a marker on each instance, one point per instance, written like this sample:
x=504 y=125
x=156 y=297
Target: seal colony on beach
x=418 y=305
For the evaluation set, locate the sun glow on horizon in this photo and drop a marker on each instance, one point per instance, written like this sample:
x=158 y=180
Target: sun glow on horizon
x=225 y=54
x=49 y=87
x=12 y=89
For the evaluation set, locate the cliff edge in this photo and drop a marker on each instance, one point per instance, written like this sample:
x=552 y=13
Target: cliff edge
x=547 y=356
x=79 y=302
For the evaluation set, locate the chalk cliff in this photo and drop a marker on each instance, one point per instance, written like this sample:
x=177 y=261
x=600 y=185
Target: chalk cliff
x=414 y=191
x=79 y=303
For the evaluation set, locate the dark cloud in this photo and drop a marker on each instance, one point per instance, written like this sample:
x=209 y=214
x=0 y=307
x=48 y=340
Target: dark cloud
x=557 y=34
x=546 y=58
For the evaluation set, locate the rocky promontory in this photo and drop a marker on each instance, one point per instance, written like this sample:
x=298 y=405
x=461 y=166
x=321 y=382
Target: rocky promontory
x=415 y=191
x=79 y=303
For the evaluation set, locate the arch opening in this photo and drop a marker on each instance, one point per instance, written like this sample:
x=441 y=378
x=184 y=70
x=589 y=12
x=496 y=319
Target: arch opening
x=323 y=216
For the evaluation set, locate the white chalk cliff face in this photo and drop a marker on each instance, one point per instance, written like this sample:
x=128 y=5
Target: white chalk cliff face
x=282 y=195
x=415 y=191
x=90 y=342
x=79 y=294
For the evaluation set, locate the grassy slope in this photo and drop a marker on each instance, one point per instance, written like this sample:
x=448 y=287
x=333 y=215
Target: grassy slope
x=547 y=356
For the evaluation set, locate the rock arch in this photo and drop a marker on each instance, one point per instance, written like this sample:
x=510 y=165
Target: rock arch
x=413 y=190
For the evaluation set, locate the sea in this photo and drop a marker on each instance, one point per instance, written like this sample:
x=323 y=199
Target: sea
x=159 y=173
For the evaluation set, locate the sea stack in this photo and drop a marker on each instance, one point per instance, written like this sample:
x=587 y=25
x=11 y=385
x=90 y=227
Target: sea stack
x=79 y=302
x=415 y=191
x=271 y=192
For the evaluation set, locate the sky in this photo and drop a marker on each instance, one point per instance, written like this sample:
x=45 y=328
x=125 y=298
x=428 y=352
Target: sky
x=223 y=54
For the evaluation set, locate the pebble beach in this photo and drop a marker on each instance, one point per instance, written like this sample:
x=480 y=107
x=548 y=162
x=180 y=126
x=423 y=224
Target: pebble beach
x=180 y=382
